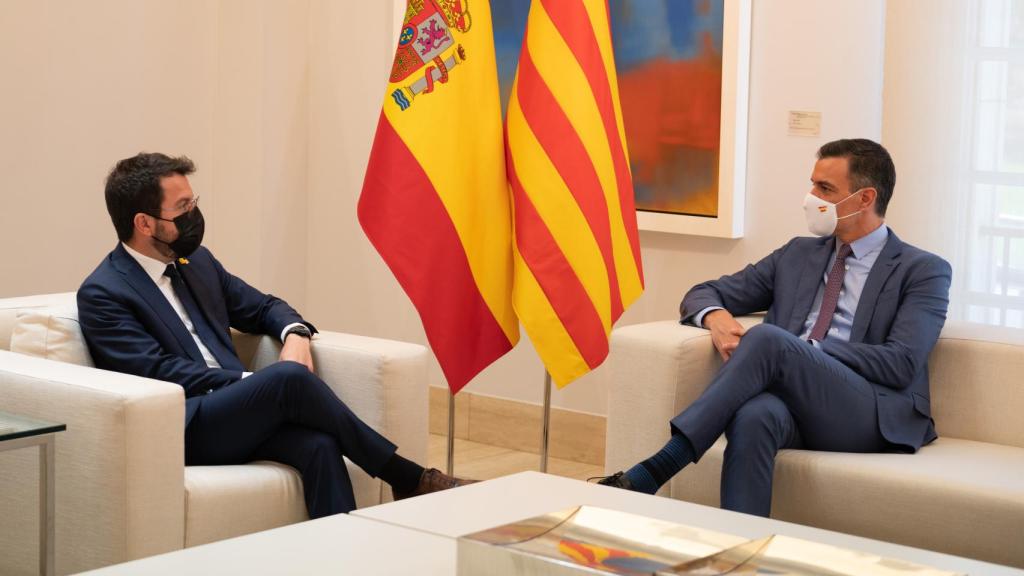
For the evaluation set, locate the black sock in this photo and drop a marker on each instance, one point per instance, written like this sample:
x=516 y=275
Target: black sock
x=677 y=453
x=403 y=475
x=652 y=473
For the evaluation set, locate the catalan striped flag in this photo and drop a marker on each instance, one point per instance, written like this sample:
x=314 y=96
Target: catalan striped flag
x=435 y=199
x=576 y=246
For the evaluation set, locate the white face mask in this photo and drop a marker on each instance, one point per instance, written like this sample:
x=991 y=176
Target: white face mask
x=821 y=214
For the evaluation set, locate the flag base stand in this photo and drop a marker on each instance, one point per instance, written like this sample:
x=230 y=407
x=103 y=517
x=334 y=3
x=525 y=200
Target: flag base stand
x=451 y=433
x=545 y=436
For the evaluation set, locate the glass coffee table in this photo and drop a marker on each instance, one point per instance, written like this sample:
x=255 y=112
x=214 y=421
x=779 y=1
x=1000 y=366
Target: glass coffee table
x=21 y=432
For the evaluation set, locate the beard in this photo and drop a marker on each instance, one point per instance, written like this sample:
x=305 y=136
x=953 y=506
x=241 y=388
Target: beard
x=162 y=236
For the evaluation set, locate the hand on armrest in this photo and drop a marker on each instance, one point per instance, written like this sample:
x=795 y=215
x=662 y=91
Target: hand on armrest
x=296 y=348
x=725 y=332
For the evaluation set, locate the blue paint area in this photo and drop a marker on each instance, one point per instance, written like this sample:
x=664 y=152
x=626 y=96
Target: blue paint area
x=509 y=20
x=644 y=30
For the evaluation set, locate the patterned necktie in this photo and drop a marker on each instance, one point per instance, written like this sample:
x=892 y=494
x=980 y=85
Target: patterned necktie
x=225 y=357
x=831 y=296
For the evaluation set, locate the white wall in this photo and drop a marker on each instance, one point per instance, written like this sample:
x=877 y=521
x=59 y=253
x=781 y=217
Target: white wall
x=259 y=132
x=87 y=83
x=277 y=102
x=350 y=289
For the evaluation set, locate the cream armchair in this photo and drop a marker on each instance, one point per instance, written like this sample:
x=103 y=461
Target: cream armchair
x=122 y=489
x=963 y=494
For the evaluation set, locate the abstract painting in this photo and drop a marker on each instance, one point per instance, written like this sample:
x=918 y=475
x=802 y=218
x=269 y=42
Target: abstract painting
x=669 y=58
x=682 y=67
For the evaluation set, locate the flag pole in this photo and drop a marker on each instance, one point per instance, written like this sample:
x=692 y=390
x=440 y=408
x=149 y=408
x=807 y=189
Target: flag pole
x=451 y=433
x=547 y=423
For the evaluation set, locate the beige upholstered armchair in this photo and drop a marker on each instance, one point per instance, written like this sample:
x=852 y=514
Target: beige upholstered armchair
x=122 y=489
x=963 y=494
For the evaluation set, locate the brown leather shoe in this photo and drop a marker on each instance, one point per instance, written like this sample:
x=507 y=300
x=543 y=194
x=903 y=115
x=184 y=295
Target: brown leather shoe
x=432 y=480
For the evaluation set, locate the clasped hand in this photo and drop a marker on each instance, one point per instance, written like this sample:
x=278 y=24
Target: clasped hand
x=725 y=332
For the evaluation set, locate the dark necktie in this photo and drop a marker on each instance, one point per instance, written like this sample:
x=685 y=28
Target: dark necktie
x=831 y=296
x=224 y=356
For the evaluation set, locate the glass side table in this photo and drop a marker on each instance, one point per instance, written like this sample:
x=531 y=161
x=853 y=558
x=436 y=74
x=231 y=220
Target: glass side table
x=21 y=432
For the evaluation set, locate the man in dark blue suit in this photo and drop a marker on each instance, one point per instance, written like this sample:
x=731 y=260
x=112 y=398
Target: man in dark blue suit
x=161 y=306
x=840 y=362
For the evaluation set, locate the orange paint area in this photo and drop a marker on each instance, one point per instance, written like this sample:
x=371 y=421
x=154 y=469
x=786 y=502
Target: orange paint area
x=672 y=113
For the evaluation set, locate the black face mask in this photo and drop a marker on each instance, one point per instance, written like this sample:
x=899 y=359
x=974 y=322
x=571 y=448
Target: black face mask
x=191 y=227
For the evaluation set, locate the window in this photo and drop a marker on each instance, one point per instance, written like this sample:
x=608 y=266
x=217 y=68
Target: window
x=992 y=261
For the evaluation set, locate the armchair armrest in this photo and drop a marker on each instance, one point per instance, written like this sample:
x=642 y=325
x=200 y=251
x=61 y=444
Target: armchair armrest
x=657 y=370
x=119 y=465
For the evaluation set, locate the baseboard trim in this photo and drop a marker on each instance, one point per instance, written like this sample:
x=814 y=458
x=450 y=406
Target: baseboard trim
x=516 y=425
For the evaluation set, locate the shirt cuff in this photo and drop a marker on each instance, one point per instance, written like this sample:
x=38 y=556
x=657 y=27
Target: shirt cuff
x=246 y=374
x=698 y=320
x=289 y=327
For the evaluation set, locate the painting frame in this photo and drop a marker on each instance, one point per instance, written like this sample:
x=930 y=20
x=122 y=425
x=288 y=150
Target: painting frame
x=729 y=221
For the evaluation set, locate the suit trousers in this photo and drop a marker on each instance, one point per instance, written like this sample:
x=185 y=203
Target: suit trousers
x=287 y=414
x=777 y=391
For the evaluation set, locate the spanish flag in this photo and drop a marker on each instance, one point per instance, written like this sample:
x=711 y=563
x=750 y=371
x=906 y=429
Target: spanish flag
x=576 y=247
x=435 y=199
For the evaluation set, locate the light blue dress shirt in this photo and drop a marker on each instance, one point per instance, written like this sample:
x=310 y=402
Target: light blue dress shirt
x=858 y=266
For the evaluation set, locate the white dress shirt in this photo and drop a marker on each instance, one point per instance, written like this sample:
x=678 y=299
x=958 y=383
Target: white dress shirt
x=155 y=270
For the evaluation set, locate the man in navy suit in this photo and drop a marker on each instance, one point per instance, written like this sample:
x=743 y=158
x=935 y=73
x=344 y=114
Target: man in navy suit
x=161 y=306
x=840 y=362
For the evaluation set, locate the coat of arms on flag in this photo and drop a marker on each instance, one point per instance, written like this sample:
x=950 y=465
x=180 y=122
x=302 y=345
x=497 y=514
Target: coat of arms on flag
x=427 y=35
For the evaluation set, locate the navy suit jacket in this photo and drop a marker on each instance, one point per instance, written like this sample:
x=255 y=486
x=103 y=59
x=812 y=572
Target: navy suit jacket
x=131 y=327
x=898 y=319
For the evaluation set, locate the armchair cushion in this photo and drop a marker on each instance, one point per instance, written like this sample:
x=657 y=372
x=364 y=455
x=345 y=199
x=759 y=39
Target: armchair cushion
x=219 y=500
x=52 y=333
x=955 y=496
x=10 y=308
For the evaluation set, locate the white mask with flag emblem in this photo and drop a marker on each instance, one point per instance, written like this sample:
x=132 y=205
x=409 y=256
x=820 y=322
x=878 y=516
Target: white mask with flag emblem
x=821 y=214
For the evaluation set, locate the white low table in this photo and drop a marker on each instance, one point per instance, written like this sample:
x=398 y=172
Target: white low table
x=340 y=544
x=417 y=536
x=492 y=503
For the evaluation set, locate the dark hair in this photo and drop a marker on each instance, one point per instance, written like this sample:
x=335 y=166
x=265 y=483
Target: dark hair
x=133 y=186
x=870 y=167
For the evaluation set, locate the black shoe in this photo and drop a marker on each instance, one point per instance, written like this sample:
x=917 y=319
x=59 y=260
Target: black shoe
x=617 y=480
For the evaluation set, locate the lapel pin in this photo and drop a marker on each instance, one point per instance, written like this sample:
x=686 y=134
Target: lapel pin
x=182 y=261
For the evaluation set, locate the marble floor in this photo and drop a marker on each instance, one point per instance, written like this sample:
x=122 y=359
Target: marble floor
x=483 y=461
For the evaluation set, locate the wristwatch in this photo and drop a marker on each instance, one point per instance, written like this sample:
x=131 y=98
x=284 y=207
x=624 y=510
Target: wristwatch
x=300 y=330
